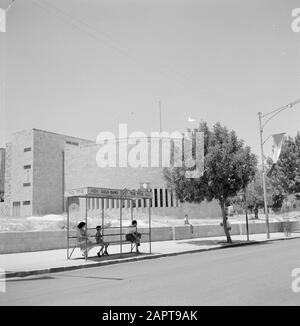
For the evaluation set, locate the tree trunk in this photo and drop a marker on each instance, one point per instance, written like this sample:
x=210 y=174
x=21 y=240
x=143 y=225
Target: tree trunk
x=256 y=211
x=224 y=216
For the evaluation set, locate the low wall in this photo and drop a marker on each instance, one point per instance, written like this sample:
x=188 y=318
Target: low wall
x=14 y=242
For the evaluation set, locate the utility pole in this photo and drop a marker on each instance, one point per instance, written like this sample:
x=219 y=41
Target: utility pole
x=262 y=123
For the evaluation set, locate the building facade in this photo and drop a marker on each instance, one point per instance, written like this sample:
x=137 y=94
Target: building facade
x=2 y=173
x=34 y=170
x=41 y=165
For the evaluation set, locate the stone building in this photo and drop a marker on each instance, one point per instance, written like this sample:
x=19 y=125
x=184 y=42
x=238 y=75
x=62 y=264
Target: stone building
x=34 y=170
x=2 y=173
x=41 y=165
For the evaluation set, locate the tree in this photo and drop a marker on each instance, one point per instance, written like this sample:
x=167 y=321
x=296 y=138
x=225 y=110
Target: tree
x=285 y=176
x=254 y=195
x=229 y=167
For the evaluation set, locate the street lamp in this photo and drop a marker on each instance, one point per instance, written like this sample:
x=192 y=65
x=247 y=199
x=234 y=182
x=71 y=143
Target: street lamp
x=243 y=198
x=268 y=116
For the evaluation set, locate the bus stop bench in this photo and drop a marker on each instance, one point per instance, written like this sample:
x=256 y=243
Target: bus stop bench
x=95 y=244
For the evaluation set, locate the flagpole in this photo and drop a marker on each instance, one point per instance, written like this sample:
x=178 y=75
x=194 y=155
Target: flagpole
x=160 y=119
x=263 y=175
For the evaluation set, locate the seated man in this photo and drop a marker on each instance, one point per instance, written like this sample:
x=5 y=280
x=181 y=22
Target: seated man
x=133 y=236
x=82 y=238
x=99 y=240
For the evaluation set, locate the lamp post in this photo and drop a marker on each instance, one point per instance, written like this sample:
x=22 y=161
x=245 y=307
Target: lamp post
x=262 y=123
x=243 y=197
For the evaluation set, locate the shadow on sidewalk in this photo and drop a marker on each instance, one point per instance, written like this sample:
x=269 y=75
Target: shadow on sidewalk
x=47 y=278
x=112 y=256
x=35 y=278
x=222 y=243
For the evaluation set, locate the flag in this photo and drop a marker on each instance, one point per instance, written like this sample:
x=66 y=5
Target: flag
x=277 y=145
x=269 y=173
x=2 y=20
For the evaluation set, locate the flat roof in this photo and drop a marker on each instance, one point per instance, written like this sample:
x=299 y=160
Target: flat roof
x=93 y=192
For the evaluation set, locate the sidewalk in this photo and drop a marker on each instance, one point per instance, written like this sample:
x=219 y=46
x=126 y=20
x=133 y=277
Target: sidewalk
x=39 y=262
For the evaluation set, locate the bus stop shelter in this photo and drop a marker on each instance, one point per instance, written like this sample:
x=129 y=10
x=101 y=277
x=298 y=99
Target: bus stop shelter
x=121 y=195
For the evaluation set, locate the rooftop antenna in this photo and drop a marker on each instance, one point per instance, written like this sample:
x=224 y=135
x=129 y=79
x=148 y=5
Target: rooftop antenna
x=160 y=120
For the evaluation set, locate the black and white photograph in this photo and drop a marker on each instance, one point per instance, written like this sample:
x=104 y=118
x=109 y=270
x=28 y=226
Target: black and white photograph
x=149 y=157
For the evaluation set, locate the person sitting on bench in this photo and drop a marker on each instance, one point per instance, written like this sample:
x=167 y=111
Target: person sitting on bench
x=83 y=242
x=99 y=240
x=133 y=236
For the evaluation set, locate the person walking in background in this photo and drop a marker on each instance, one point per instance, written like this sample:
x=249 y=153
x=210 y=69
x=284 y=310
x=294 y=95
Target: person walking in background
x=186 y=220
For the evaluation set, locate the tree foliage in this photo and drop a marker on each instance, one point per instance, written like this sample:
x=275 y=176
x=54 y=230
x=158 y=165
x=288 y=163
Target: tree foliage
x=286 y=174
x=254 y=195
x=229 y=167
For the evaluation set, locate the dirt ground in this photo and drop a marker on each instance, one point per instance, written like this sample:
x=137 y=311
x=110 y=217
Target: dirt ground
x=59 y=222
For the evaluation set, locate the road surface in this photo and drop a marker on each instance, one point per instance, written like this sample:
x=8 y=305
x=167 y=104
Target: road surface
x=251 y=275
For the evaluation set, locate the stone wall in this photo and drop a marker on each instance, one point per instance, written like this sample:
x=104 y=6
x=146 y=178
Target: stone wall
x=82 y=170
x=6 y=211
x=2 y=170
x=14 y=242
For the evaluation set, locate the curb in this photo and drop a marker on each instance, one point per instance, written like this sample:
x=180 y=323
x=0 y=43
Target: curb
x=19 y=274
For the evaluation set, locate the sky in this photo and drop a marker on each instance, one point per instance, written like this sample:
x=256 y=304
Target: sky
x=80 y=67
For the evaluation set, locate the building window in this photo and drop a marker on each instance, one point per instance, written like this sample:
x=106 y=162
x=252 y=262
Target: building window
x=27 y=167
x=27 y=184
x=167 y=199
x=155 y=197
x=27 y=149
x=172 y=201
x=161 y=198
x=72 y=143
x=151 y=200
x=26 y=202
x=16 y=208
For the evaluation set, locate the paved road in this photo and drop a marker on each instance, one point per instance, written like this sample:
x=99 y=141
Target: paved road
x=252 y=275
